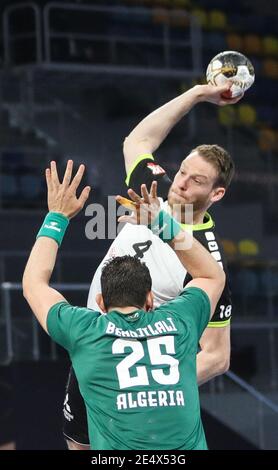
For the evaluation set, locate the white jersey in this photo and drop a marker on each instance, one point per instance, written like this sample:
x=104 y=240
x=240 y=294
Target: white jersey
x=166 y=270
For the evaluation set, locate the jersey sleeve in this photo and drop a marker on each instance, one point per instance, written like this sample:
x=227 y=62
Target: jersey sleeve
x=145 y=170
x=192 y=307
x=223 y=311
x=66 y=323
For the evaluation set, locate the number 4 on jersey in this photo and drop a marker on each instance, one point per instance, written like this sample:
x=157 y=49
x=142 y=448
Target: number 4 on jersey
x=141 y=248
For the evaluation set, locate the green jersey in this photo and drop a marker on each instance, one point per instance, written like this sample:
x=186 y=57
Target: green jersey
x=137 y=372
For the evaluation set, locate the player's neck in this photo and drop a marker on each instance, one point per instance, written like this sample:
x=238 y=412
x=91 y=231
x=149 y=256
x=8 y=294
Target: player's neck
x=125 y=310
x=198 y=217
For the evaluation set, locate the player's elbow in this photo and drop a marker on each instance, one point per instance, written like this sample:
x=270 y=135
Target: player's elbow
x=26 y=289
x=221 y=281
x=125 y=143
x=135 y=145
x=224 y=366
x=25 y=286
x=222 y=363
x=128 y=143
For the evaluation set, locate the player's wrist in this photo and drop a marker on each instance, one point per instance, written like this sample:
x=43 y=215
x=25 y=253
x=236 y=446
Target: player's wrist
x=54 y=226
x=200 y=93
x=165 y=226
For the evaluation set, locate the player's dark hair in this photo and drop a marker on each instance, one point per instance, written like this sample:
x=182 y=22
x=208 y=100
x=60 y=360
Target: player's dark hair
x=221 y=160
x=125 y=281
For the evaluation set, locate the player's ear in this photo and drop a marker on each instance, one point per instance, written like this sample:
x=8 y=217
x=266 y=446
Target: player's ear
x=99 y=301
x=217 y=194
x=149 y=301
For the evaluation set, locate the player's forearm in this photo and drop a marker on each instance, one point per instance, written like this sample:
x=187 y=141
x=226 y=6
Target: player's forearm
x=205 y=271
x=196 y=259
x=151 y=131
x=40 y=266
x=209 y=365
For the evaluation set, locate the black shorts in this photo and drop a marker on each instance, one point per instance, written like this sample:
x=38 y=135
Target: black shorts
x=75 y=424
x=7 y=412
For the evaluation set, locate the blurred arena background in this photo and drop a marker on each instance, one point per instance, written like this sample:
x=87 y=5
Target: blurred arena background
x=74 y=80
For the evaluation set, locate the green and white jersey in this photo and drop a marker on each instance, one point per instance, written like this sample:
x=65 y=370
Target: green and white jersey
x=137 y=372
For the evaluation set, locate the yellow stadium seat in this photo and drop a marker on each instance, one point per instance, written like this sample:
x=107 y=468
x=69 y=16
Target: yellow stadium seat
x=270 y=68
x=247 y=114
x=252 y=44
x=227 y=116
x=248 y=247
x=229 y=247
x=267 y=140
x=270 y=46
x=234 y=42
x=201 y=16
x=217 y=20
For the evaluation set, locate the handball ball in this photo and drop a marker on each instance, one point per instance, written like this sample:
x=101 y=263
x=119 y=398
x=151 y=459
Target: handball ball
x=233 y=66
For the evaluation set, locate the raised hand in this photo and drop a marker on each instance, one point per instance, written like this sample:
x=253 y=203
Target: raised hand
x=145 y=208
x=61 y=197
x=218 y=94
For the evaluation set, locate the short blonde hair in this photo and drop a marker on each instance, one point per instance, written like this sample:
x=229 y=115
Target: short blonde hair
x=221 y=161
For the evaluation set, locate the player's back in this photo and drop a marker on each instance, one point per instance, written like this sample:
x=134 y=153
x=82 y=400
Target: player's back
x=137 y=373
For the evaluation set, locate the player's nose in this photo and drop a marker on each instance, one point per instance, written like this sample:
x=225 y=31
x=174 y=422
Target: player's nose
x=183 y=183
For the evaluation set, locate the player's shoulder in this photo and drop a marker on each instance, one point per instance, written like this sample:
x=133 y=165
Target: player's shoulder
x=187 y=296
x=145 y=169
x=208 y=225
x=206 y=232
x=207 y=235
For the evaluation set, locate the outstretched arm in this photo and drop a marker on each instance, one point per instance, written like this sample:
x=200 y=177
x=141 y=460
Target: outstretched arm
x=147 y=136
x=63 y=205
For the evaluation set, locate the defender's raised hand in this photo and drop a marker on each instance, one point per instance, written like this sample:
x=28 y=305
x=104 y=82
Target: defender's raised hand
x=61 y=197
x=145 y=208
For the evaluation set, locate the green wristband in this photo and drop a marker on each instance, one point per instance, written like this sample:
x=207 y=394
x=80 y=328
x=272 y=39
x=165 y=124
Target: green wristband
x=165 y=226
x=54 y=226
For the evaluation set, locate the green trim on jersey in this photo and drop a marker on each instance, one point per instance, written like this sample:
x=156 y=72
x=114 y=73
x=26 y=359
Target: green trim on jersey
x=134 y=165
x=204 y=226
x=219 y=324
